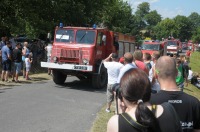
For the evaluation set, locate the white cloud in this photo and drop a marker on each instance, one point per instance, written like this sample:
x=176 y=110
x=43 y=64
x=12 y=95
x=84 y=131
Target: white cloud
x=164 y=12
x=168 y=13
x=135 y=3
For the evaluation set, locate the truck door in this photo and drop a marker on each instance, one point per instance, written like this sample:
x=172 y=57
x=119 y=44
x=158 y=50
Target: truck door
x=100 y=46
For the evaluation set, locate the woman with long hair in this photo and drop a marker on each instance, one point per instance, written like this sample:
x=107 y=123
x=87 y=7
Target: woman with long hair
x=140 y=116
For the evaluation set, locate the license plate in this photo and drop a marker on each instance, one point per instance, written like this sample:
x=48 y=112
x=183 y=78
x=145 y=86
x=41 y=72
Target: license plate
x=80 y=67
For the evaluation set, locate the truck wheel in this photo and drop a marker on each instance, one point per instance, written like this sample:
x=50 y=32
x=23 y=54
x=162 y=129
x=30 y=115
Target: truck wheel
x=58 y=77
x=100 y=80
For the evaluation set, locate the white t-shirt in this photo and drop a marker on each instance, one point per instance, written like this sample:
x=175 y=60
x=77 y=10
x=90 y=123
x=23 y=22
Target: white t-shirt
x=190 y=74
x=113 y=69
x=49 y=49
x=156 y=85
x=28 y=64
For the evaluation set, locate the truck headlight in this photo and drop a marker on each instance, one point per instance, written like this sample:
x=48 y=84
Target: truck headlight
x=85 y=61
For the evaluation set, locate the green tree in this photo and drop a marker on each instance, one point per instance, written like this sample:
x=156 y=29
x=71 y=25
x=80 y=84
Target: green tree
x=142 y=10
x=184 y=27
x=196 y=36
x=118 y=17
x=37 y=17
x=165 y=28
x=195 y=19
x=152 y=18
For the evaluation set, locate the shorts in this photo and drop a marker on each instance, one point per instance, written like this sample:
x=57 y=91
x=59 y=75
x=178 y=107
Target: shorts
x=28 y=69
x=110 y=94
x=6 y=65
x=17 y=67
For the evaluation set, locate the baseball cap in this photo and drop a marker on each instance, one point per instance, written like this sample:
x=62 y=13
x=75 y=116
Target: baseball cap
x=121 y=60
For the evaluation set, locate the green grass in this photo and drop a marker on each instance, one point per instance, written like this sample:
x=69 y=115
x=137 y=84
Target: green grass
x=195 y=62
x=100 y=124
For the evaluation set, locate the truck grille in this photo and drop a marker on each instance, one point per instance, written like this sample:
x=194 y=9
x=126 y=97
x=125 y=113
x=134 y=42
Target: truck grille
x=70 y=55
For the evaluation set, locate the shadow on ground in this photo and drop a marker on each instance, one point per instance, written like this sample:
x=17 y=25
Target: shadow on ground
x=38 y=79
x=84 y=85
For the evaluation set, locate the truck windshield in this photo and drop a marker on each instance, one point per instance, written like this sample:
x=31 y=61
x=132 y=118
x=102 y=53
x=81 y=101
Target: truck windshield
x=85 y=36
x=171 y=43
x=66 y=36
x=150 y=46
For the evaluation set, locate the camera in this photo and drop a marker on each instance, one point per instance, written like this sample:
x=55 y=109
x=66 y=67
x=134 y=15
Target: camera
x=116 y=88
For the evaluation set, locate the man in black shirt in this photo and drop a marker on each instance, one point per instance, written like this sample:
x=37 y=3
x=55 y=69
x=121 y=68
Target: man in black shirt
x=17 y=59
x=186 y=106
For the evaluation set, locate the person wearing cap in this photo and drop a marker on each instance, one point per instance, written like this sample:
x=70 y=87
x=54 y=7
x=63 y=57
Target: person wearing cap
x=113 y=69
x=121 y=60
x=6 y=61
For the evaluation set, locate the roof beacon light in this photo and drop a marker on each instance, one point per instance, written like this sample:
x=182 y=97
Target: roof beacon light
x=94 y=26
x=61 y=25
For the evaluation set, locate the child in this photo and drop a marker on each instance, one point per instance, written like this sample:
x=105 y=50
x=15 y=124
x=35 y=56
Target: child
x=28 y=62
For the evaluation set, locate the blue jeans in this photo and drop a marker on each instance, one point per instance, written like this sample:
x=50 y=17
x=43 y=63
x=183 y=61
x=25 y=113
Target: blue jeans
x=18 y=66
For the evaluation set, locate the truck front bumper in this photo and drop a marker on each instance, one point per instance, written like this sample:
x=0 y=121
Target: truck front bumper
x=67 y=66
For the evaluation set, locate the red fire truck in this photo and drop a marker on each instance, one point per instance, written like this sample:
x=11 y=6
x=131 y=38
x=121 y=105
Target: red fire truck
x=79 y=51
x=150 y=46
x=173 y=46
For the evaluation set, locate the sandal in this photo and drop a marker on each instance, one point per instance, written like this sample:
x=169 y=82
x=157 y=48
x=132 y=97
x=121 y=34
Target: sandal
x=7 y=81
x=17 y=81
x=28 y=79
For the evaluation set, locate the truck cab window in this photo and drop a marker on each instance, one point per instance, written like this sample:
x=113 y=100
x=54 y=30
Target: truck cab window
x=99 y=38
x=66 y=36
x=85 y=37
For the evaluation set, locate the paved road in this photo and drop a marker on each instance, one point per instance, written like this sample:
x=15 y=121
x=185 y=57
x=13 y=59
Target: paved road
x=46 y=107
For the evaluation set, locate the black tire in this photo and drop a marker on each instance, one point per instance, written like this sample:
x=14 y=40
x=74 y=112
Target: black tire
x=59 y=77
x=100 y=80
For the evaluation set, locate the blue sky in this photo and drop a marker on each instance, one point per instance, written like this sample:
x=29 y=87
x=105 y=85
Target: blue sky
x=169 y=8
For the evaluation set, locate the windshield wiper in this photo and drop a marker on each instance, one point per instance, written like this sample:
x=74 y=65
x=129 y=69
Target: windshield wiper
x=83 y=36
x=61 y=37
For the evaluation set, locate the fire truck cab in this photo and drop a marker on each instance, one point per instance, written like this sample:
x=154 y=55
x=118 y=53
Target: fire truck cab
x=173 y=47
x=150 y=46
x=80 y=51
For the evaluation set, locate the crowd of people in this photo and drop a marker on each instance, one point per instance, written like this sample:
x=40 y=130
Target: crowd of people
x=150 y=92
x=15 y=59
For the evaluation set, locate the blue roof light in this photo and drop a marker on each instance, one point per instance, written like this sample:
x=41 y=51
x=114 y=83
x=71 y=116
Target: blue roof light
x=61 y=25
x=94 y=26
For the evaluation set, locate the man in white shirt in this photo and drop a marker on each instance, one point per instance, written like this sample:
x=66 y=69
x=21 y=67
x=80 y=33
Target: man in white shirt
x=113 y=69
